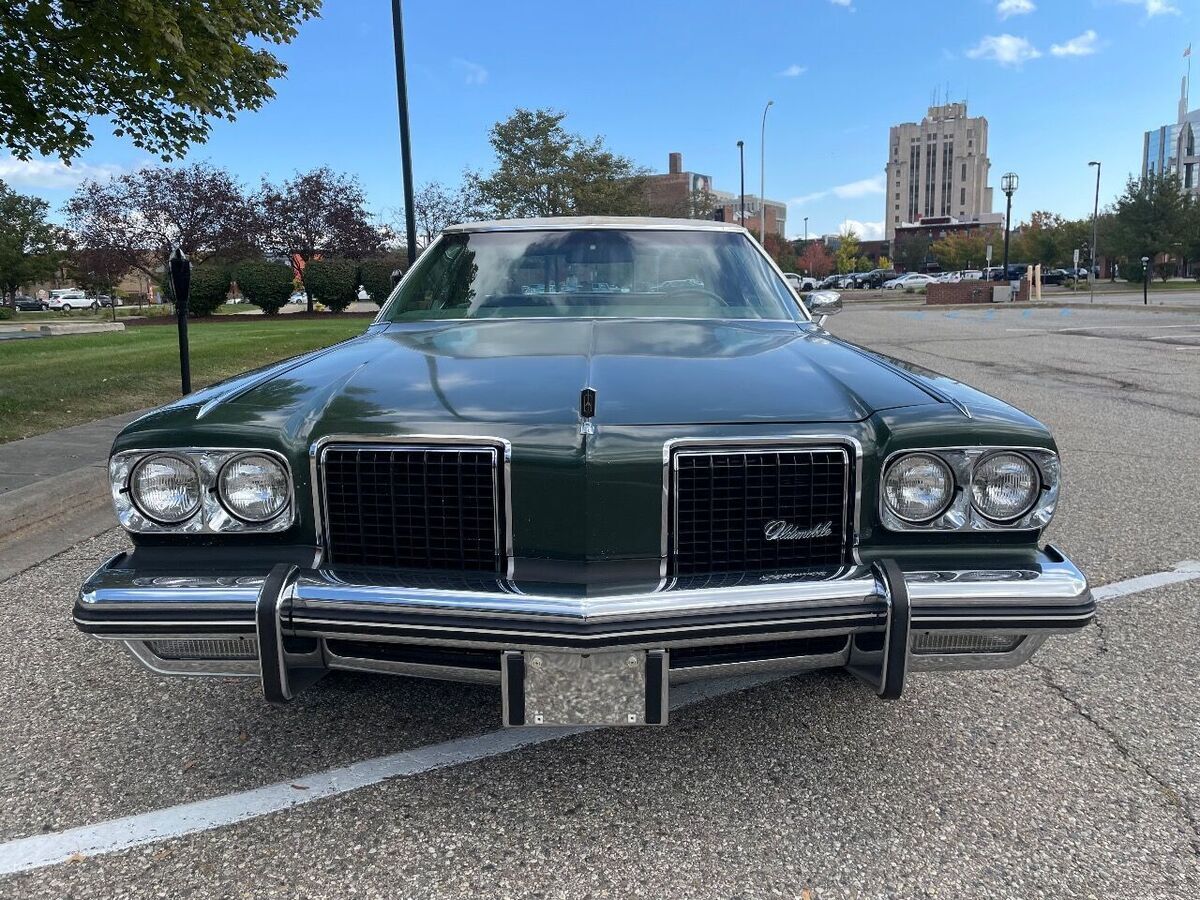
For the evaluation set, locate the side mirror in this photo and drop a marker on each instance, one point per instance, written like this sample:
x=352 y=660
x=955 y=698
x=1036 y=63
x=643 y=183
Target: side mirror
x=823 y=304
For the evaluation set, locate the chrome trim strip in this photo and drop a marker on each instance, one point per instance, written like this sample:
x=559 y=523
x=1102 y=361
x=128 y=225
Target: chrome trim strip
x=763 y=444
x=502 y=484
x=236 y=668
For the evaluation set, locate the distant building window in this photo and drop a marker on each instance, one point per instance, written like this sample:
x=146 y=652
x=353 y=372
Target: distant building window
x=964 y=171
x=962 y=196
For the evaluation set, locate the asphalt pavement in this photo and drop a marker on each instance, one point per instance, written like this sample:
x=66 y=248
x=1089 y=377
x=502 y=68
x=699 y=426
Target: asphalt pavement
x=1074 y=776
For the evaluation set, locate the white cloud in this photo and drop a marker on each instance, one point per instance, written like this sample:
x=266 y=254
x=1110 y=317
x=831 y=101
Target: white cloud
x=1155 y=7
x=51 y=173
x=864 y=187
x=866 y=231
x=792 y=71
x=845 y=4
x=1084 y=45
x=1006 y=8
x=473 y=73
x=1006 y=49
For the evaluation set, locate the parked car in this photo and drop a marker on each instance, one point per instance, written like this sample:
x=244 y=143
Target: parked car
x=25 y=303
x=537 y=491
x=799 y=283
x=907 y=280
x=1015 y=272
x=298 y=297
x=949 y=278
x=971 y=275
x=876 y=277
x=105 y=300
x=830 y=282
x=67 y=299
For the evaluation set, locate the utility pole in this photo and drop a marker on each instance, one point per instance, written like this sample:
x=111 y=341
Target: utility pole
x=1008 y=184
x=410 y=214
x=742 y=164
x=762 y=178
x=1095 y=216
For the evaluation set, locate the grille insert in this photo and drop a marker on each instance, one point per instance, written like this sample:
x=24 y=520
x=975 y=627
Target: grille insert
x=205 y=648
x=412 y=507
x=940 y=643
x=728 y=502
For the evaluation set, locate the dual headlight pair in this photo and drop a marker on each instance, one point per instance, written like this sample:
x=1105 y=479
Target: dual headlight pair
x=981 y=488
x=196 y=490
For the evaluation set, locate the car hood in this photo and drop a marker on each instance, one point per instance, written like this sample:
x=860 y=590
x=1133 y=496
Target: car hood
x=644 y=372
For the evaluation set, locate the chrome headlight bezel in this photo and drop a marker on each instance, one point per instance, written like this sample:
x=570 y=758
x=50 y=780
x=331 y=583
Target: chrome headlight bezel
x=211 y=517
x=961 y=514
x=952 y=487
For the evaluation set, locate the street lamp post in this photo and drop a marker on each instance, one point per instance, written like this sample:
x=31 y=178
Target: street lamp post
x=1008 y=184
x=742 y=163
x=762 y=178
x=410 y=214
x=806 y=230
x=1145 y=281
x=1095 y=216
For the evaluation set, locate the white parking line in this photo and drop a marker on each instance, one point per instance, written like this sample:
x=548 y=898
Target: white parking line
x=115 y=835
x=23 y=854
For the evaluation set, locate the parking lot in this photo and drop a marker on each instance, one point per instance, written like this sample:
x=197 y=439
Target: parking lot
x=1075 y=776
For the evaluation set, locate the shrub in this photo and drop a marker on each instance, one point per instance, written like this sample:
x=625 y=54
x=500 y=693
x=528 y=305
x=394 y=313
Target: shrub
x=333 y=281
x=5 y=313
x=1132 y=270
x=210 y=287
x=1164 y=270
x=376 y=276
x=266 y=285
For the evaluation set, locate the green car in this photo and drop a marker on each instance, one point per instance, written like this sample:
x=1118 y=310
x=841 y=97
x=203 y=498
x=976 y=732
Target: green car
x=585 y=460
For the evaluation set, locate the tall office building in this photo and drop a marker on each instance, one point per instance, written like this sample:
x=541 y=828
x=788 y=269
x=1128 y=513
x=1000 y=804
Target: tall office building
x=1172 y=148
x=938 y=168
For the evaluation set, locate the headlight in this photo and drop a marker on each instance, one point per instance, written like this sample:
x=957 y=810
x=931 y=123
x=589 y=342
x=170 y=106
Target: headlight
x=1004 y=486
x=166 y=489
x=254 y=487
x=918 y=487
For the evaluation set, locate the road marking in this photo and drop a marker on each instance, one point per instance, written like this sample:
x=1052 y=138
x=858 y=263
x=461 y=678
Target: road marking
x=41 y=850
x=1188 y=570
x=127 y=832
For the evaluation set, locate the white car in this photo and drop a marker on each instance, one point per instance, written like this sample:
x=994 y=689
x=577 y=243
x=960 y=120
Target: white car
x=908 y=280
x=800 y=283
x=971 y=275
x=68 y=299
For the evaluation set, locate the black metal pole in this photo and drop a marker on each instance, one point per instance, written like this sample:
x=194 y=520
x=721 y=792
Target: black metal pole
x=1007 y=227
x=1145 y=282
x=410 y=214
x=742 y=162
x=181 y=286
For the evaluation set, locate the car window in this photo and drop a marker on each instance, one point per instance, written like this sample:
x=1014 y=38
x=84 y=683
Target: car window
x=584 y=273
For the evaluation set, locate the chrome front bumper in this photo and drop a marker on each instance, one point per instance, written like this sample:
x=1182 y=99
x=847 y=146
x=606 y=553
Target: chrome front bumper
x=880 y=621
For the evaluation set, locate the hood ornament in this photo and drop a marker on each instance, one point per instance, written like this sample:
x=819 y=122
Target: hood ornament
x=780 y=530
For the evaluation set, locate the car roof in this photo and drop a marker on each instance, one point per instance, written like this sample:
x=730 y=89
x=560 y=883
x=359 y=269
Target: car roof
x=564 y=223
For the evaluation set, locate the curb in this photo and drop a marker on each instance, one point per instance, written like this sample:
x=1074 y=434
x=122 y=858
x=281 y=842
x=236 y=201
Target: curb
x=27 y=507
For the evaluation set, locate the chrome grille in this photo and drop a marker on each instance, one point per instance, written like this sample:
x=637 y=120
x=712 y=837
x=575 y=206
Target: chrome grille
x=937 y=643
x=412 y=507
x=724 y=500
x=205 y=648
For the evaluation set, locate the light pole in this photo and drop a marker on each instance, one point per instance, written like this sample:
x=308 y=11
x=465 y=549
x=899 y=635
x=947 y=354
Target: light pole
x=410 y=214
x=806 y=230
x=1145 y=281
x=1008 y=184
x=742 y=163
x=762 y=178
x=1095 y=216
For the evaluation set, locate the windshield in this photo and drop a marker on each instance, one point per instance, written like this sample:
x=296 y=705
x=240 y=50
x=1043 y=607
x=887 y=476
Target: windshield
x=586 y=273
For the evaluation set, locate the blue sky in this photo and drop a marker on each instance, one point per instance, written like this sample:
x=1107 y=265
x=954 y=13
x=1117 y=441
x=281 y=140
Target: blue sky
x=1061 y=82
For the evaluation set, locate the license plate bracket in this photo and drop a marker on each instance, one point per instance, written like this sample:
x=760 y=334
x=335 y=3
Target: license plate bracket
x=611 y=688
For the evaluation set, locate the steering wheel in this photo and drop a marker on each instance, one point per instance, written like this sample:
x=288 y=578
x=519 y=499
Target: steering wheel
x=703 y=293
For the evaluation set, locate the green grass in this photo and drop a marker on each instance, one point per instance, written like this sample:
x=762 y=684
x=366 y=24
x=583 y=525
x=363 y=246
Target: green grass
x=52 y=382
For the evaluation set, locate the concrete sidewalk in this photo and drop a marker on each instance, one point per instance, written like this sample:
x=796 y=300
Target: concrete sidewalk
x=54 y=491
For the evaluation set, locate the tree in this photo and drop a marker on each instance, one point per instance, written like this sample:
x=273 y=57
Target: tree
x=435 y=208
x=332 y=281
x=317 y=213
x=140 y=217
x=266 y=285
x=912 y=251
x=28 y=243
x=1150 y=217
x=816 y=260
x=209 y=289
x=962 y=249
x=782 y=251
x=847 y=253
x=542 y=170
x=161 y=70
x=99 y=269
